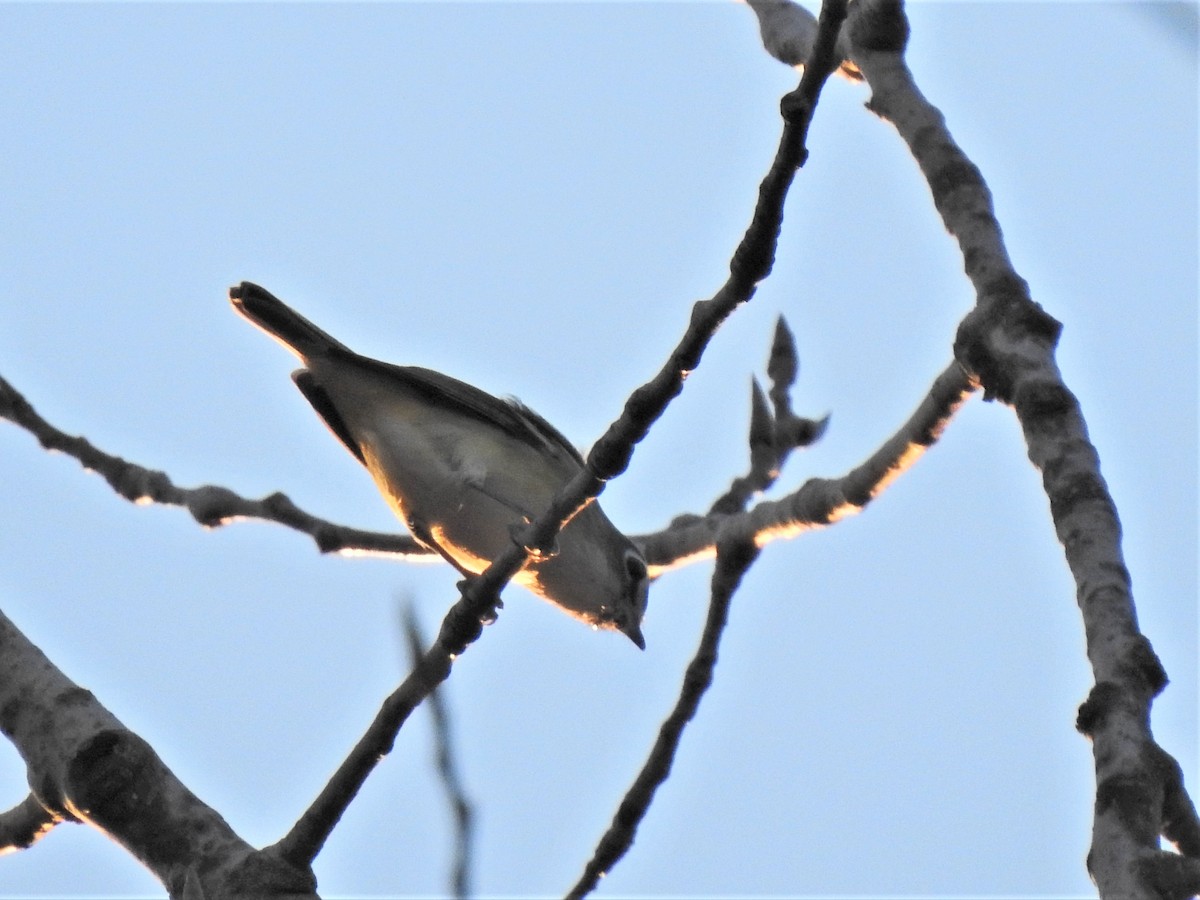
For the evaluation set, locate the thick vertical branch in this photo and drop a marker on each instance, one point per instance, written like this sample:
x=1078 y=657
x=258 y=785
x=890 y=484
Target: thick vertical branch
x=1008 y=342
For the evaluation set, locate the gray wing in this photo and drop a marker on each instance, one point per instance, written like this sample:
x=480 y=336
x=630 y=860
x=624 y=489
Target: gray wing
x=510 y=416
x=310 y=343
x=458 y=399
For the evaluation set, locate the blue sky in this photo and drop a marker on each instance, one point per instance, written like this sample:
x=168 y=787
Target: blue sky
x=530 y=197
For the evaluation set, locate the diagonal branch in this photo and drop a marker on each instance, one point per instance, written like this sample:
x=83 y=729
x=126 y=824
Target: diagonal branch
x=751 y=263
x=300 y=846
x=463 y=623
x=822 y=501
x=1008 y=342
x=85 y=765
x=736 y=547
x=735 y=554
x=210 y=505
x=25 y=824
x=460 y=803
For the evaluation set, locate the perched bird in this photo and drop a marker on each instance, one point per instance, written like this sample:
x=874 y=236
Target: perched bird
x=461 y=468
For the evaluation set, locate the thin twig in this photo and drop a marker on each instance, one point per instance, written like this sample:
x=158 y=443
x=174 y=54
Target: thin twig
x=822 y=501
x=307 y=836
x=460 y=803
x=773 y=434
x=210 y=505
x=25 y=824
x=735 y=553
x=736 y=545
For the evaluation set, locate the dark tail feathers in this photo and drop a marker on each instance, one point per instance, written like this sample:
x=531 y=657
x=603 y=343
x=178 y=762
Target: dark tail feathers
x=281 y=322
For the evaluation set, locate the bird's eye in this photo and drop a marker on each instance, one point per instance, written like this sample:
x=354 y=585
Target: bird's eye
x=635 y=566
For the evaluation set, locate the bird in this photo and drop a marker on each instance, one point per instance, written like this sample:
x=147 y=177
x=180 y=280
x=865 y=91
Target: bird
x=461 y=468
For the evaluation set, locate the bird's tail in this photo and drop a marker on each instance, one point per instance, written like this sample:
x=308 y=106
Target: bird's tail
x=282 y=322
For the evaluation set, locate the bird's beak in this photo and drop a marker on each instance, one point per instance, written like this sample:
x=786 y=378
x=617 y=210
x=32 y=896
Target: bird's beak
x=633 y=631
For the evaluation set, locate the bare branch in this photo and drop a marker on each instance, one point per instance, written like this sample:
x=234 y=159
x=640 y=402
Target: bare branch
x=87 y=766
x=736 y=548
x=307 y=836
x=210 y=505
x=735 y=553
x=773 y=436
x=609 y=456
x=25 y=824
x=821 y=501
x=1008 y=342
x=460 y=803
x=1181 y=826
x=1172 y=876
